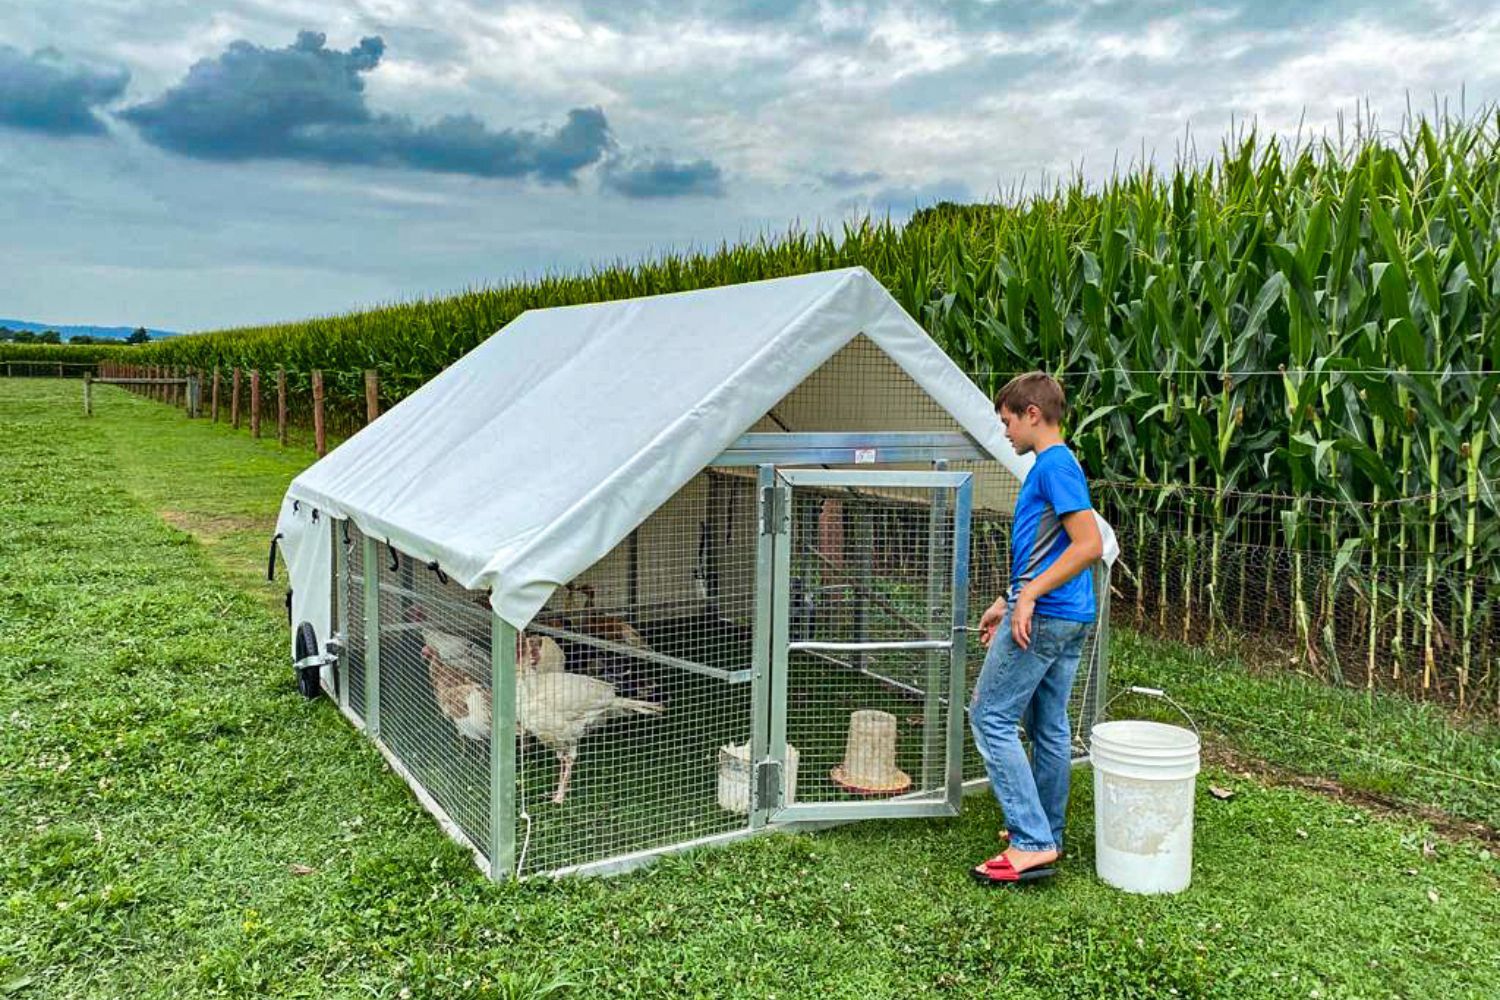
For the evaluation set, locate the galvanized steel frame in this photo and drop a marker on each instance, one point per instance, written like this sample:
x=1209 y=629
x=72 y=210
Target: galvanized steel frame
x=503 y=749
x=340 y=609
x=850 y=449
x=371 y=567
x=761 y=655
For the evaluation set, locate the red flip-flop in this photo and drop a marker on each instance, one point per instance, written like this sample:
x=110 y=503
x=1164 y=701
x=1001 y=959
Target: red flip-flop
x=1004 y=837
x=999 y=871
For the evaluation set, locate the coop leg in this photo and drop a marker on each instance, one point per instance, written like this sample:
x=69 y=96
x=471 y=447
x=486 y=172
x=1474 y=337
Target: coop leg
x=562 y=778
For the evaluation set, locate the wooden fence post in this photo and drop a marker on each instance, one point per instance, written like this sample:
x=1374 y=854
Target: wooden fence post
x=281 y=406
x=372 y=395
x=320 y=440
x=234 y=398
x=255 y=403
x=214 y=393
x=88 y=395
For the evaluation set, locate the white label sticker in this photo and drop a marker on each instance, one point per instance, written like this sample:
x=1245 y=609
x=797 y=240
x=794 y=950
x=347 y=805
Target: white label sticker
x=864 y=456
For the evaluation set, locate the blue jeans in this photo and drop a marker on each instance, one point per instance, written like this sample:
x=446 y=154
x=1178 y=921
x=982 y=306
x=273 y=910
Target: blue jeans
x=1029 y=686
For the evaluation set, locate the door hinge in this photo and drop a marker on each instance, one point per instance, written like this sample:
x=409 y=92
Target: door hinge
x=767 y=784
x=775 y=510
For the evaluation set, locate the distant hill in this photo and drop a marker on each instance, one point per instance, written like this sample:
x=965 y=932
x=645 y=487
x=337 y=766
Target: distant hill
x=97 y=332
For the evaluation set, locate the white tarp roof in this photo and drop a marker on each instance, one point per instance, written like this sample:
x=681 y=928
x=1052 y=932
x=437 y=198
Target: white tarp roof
x=536 y=453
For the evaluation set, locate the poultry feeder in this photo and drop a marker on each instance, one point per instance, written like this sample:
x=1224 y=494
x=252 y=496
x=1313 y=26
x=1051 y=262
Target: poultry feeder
x=869 y=764
x=615 y=583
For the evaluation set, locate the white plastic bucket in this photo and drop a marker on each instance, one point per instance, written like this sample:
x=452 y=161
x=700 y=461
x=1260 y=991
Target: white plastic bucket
x=734 y=777
x=1144 y=778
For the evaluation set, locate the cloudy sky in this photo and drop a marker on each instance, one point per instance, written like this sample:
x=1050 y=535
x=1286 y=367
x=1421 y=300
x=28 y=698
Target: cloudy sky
x=193 y=165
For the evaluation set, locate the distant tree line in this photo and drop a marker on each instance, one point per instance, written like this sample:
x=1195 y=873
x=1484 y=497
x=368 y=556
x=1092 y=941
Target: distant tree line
x=7 y=335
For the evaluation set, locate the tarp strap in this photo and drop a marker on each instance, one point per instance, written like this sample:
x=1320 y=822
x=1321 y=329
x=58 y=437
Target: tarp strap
x=395 y=556
x=442 y=577
x=271 y=558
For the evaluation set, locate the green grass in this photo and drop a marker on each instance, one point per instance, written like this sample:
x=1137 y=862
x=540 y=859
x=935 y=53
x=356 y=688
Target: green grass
x=159 y=777
x=1391 y=746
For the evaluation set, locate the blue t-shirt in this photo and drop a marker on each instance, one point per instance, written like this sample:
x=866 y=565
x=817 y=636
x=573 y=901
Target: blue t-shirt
x=1054 y=487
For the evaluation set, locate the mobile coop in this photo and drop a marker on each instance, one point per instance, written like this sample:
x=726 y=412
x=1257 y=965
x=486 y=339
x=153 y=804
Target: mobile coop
x=658 y=573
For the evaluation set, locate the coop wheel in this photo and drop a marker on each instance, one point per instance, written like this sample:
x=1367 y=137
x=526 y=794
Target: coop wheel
x=306 y=665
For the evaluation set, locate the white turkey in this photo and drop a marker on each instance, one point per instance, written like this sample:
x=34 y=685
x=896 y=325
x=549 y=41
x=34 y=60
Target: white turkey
x=556 y=708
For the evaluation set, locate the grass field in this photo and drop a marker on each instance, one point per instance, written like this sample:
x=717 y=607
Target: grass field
x=177 y=821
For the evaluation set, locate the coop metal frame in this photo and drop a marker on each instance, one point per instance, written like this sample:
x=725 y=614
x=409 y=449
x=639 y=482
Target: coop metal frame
x=775 y=457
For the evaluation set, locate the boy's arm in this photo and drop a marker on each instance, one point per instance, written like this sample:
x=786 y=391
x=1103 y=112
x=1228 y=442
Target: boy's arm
x=1085 y=546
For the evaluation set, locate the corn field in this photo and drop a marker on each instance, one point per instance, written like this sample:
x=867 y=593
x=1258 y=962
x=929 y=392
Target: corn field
x=1288 y=354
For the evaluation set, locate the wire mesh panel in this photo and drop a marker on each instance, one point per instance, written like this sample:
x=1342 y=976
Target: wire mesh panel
x=350 y=565
x=868 y=631
x=858 y=389
x=435 y=688
x=633 y=693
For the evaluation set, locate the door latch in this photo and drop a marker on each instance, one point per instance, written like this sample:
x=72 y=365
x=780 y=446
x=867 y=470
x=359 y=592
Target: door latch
x=767 y=784
x=775 y=510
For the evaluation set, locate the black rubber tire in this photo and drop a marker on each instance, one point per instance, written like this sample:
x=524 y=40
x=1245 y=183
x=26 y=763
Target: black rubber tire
x=307 y=645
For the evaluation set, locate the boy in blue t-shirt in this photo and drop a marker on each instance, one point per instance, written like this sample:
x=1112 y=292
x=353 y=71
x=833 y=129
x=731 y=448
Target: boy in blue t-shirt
x=1035 y=634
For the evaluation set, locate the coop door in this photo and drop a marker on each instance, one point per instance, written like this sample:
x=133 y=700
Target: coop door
x=867 y=662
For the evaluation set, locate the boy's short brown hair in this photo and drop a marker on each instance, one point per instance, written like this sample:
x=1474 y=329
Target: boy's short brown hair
x=1033 y=389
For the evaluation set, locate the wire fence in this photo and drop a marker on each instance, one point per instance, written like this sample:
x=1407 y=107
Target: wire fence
x=1381 y=596
x=1395 y=594
x=48 y=369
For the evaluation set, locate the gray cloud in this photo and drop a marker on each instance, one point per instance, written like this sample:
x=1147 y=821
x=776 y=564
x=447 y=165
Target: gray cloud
x=307 y=102
x=1003 y=95
x=851 y=179
x=44 y=92
x=663 y=178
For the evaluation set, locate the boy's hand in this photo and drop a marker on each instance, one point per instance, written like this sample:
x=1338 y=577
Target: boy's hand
x=990 y=621
x=1020 y=620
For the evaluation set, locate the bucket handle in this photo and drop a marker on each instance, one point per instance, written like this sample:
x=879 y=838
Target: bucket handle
x=1153 y=693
